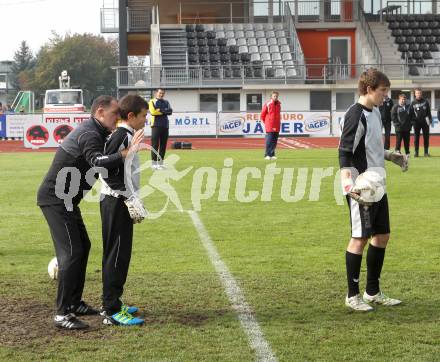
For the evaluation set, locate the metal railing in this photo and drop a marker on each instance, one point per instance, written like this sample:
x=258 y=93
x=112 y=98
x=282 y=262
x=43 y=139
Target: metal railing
x=197 y=76
x=138 y=19
x=295 y=45
x=366 y=30
x=109 y=20
x=410 y=7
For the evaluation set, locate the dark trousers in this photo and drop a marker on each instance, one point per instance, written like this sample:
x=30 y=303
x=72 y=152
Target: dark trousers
x=159 y=139
x=72 y=246
x=271 y=143
x=403 y=136
x=421 y=126
x=387 y=128
x=117 y=236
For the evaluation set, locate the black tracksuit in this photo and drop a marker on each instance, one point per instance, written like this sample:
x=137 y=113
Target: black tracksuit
x=402 y=118
x=421 y=111
x=117 y=226
x=160 y=109
x=385 y=113
x=78 y=156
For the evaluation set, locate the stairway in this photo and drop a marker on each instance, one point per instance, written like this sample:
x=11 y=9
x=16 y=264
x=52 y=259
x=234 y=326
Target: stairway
x=173 y=46
x=388 y=49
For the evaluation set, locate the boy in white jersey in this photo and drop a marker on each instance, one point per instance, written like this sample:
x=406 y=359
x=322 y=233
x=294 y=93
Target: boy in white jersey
x=361 y=148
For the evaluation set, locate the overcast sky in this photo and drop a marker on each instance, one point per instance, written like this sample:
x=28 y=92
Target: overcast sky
x=33 y=21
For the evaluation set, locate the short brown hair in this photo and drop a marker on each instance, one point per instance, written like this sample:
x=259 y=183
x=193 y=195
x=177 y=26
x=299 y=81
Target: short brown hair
x=275 y=92
x=372 y=78
x=101 y=101
x=131 y=103
x=418 y=89
x=401 y=95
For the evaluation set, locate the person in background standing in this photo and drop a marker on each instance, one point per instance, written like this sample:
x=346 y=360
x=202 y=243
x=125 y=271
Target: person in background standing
x=271 y=117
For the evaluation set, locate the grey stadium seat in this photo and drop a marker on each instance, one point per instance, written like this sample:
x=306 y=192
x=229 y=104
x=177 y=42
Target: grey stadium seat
x=265 y=57
x=250 y=34
x=230 y=34
x=262 y=41
x=218 y=27
x=258 y=27
x=289 y=63
x=277 y=63
x=268 y=26
x=264 y=49
x=253 y=49
x=278 y=26
x=286 y=56
x=251 y=41
x=282 y=41
x=270 y=34
x=238 y=27
x=255 y=57
x=239 y=34
x=229 y=27
x=274 y=49
x=280 y=73
x=272 y=41
x=220 y=34
x=276 y=56
x=285 y=49
x=241 y=41
x=260 y=34
x=248 y=26
x=243 y=49
x=291 y=72
x=280 y=34
x=231 y=41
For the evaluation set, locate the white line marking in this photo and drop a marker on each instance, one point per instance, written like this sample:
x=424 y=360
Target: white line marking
x=285 y=144
x=248 y=322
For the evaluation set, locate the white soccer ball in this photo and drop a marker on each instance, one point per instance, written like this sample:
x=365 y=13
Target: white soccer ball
x=52 y=268
x=372 y=186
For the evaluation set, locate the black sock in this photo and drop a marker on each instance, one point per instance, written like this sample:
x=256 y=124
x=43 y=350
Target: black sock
x=375 y=258
x=353 y=263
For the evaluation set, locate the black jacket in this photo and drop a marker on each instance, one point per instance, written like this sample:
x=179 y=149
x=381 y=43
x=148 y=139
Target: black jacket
x=79 y=154
x=421 y=109
x=385 y=110
x=160 y=109
x=402 y=118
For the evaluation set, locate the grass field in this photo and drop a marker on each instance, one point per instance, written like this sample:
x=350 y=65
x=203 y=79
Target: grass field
x=287 y=257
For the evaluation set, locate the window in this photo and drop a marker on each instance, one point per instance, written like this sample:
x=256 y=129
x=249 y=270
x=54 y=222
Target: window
x=208 y=102
x=437 y=100
x=231 y=102
x=253 y=102
x=344 y=100
x=320 y=100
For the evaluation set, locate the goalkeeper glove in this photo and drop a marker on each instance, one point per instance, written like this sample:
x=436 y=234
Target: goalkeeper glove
x=136 y=209
x=398 y=159
x=354 y=192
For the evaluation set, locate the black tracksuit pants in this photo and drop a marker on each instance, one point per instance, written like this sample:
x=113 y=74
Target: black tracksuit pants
x=72 y=246
x=117 y=236
x=271 y=143
x=421 y=126
x=403 y=136
x=387 y=128
x=159 y=139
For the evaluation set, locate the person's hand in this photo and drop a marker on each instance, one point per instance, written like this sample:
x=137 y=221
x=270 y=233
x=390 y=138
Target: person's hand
x=354 y=192
x=398 y=159
x=137 y=139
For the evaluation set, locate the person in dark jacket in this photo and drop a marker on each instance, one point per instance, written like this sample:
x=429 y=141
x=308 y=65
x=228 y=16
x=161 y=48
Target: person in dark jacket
x=160 y=109
x=385 y=114
x=401 y=117
x=121 y=183
x=72 y=174
x=422 y=120
x=271 y=117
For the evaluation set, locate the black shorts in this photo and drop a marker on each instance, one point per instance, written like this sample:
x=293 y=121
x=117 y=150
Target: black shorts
x=369 y=221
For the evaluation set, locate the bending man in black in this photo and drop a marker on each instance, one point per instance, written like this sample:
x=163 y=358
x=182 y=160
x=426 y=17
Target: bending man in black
x=73 y=172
